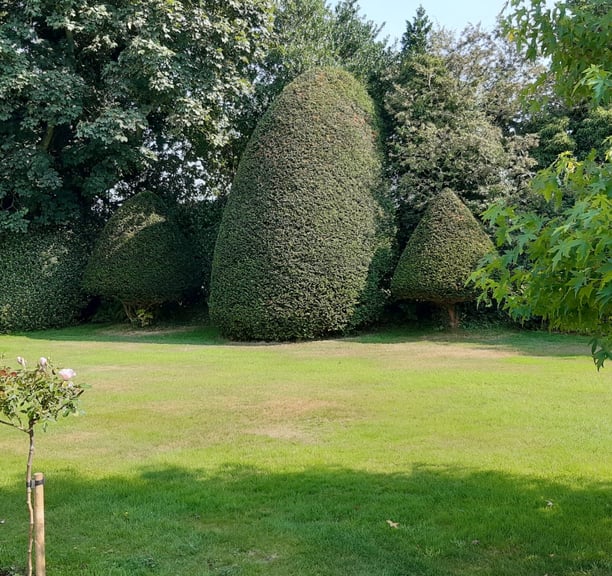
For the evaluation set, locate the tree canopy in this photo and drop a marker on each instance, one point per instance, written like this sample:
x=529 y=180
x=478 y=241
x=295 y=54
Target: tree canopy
x=92 y=94
x=448 y=123
x=576 y=38
x=141 y=258
x=557 y=264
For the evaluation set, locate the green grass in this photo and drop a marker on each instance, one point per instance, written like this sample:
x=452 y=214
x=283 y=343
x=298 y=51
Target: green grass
x=491 y=451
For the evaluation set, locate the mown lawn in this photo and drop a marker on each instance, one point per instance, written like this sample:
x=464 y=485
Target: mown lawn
x=392 y=454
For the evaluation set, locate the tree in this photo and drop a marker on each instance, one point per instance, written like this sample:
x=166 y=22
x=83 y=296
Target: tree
x=94 y=93
x=309 y=34
x=575 y=36
x=494 y=72
x=441 y=136
x=441 y=254
x=579 y=129
x=305 y=239
x=416 y=38
x=29 y=397
x=142 y=259
x=557 y=266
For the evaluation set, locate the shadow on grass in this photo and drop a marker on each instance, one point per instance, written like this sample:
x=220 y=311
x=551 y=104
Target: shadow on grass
x=199 y=335
x=526 y=342
x=529 y=342
x=240 y=520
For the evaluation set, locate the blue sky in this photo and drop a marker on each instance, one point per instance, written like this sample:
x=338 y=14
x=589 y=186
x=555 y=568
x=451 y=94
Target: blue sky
x=454 y=14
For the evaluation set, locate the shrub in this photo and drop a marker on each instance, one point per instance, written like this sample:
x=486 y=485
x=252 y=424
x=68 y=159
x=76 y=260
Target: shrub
x=141 y=258
x=441 y=254
x=200 y=220
x=305 y=237
x=41 y=279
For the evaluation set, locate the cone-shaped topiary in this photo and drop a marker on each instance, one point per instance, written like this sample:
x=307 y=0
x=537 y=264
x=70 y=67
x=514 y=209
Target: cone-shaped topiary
x=41 y=279
x=141 y=258
x=443 y=251
x=306 y=236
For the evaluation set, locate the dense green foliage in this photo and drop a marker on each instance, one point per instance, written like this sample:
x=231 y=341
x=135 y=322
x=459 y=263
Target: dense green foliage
x=141 y=257
x=441 y=254
x=312 y=34
x=200 y=221
x=100 y=100
x=41 y=279
x=309 y=34
x=557 y=265
x=94 y=93
x=305 y=237
x=576 y=38
x=450 y=121
x=578 y=130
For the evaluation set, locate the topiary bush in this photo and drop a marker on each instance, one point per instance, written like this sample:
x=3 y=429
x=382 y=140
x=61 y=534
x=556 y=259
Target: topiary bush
x=305 y=238
x=41 y=279
x=141 y=258
x=443 y=251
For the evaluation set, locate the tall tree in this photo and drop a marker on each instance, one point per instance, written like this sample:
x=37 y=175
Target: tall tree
x=494 y=70
x=92 y=93
x=442 y=133
x=416 y=38
x=305 y=240
x=309 y=34
x=558 y=266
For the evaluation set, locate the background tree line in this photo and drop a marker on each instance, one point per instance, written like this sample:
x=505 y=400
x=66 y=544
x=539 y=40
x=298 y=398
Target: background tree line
x=100 y=101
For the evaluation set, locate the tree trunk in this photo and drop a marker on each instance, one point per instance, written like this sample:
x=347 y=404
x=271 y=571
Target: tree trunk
x=453 y=317
x=29 y=500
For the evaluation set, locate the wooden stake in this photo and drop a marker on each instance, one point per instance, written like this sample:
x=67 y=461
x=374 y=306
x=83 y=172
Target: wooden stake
x=39 y=523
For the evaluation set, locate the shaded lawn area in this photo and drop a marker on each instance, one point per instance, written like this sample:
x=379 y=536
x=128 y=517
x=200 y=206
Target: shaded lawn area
x=396 y=453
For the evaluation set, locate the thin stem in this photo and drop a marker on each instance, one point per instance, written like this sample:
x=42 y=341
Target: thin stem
x=13 y=425
x=29 y=500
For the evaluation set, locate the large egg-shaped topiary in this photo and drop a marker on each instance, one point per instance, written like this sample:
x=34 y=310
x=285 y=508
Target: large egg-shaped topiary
x=141 y=257
x=305 y=237
x=442 y=252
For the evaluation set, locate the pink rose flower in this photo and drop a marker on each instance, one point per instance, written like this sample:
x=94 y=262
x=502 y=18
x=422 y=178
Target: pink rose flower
x=66 y=374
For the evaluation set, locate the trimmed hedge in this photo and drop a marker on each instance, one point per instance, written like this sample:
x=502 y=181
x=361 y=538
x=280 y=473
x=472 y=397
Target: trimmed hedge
x=305 y=239
x=441 y=254
x=41 y=279
x=141 y=257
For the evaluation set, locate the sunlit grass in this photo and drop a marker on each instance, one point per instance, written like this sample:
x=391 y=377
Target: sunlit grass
x=491 y=451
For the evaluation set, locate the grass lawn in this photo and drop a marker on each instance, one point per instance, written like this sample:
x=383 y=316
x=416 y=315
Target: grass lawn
x=392 y=454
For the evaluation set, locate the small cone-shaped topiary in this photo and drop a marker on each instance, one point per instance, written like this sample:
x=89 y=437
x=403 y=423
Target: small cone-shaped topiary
x=306 y=236
x=443 y=251
x=141 y=258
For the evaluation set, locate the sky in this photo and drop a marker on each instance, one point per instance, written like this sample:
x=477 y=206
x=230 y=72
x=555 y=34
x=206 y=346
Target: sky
x=453 y=14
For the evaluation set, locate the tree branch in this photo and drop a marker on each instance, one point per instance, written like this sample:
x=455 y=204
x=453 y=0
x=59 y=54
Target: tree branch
x=13 y=425
x=48 y=137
